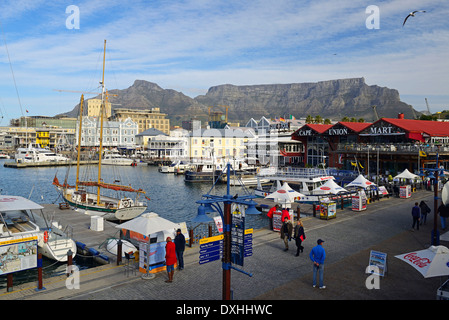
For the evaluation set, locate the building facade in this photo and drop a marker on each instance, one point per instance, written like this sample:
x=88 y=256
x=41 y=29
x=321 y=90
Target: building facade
x=387 y=145
x=116 y=134
x=145 y=119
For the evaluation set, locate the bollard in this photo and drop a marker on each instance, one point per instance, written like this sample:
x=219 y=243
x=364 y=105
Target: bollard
x=342 y=203
x=39 y=273
x=314 y=210
x=119 y=251
x=190 y=238
x=69 y=262
x=298 y=213
x=9 y=283
x=210 y=231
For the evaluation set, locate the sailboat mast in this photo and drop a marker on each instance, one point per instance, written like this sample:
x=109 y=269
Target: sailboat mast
x=102 y=107
x=79 y=143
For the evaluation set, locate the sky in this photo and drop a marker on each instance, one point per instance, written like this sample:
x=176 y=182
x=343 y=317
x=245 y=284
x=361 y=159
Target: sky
x=192 y=45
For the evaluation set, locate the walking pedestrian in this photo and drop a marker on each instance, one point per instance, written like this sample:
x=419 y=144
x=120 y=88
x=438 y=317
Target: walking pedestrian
x=180 y=245
x=317 y=255
x=170 y=258
x=286 y=232
x=443 y=211
x=416 y=213
x=424 y=211
x=299 y=237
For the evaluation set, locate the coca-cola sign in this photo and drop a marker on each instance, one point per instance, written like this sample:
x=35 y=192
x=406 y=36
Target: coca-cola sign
x=416 y=260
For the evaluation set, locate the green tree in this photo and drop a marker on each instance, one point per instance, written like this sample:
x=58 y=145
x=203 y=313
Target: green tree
x=345 y=119
x=309 y=119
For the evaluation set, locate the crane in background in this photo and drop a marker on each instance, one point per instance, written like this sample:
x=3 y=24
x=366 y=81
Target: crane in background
x=428 y=109
x=375 y=113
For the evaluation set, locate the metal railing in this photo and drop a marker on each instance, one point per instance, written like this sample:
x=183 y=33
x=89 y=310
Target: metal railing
x=391 y=147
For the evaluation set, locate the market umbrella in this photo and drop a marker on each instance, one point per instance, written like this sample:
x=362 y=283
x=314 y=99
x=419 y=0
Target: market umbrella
x=148 y=223
x=330 y=186
x=285 y=194
x=361 y=182
x=431 y=262
x=406 y=175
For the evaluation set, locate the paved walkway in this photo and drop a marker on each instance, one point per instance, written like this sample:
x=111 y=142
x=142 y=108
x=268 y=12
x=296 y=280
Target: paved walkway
x=277 y=275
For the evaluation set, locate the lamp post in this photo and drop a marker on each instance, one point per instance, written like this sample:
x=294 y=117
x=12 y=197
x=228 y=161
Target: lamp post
x=435 y=234
x=225 y=214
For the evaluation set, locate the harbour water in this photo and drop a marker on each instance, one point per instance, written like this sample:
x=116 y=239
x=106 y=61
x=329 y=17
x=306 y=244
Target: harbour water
x=171 y=197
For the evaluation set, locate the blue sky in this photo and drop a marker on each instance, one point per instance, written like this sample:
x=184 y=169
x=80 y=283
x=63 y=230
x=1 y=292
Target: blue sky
x=192 y=45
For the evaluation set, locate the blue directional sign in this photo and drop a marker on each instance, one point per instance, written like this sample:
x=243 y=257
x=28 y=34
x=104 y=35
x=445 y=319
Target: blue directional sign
x=211 y=249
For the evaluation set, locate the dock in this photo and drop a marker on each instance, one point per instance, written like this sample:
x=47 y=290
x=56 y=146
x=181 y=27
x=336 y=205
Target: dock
x=17 y=165
x=89 y=242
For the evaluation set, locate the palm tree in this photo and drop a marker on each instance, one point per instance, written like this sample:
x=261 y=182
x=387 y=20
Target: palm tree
x=318 y=119
x=345 y=119
x=309 y=119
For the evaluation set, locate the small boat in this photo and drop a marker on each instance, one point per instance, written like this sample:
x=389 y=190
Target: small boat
x=116 y=159
x=19 y=221
x=204 y=171
x=4 y=156
x=37 y=155
x=177 y=166
x=303 y=180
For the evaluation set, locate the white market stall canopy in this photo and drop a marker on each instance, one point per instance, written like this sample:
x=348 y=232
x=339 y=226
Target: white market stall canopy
x=329 y=187
x=148 y=223
x=361 y=182
x=406 y=175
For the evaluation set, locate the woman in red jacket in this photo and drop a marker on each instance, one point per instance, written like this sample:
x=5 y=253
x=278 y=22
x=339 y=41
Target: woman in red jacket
x=170 y=258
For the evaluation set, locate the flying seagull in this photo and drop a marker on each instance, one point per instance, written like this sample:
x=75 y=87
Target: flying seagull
x=412 y=14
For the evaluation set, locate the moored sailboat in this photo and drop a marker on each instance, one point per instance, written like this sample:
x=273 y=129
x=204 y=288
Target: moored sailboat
x=87 y=195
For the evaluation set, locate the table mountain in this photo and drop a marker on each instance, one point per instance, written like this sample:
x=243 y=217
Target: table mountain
x=332 y=99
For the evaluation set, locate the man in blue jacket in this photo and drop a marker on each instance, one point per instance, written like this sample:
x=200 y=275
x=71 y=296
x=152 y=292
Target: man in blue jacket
x=317 y=255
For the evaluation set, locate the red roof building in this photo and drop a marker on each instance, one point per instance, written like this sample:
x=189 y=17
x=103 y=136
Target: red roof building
x=387 y=145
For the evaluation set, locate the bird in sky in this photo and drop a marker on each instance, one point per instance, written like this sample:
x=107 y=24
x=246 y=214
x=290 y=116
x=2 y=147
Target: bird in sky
x=412 y=14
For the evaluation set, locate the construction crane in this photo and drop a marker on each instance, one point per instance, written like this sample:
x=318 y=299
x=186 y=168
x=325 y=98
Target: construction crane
x=428 y=109
x=84 y=92
x=375 y=112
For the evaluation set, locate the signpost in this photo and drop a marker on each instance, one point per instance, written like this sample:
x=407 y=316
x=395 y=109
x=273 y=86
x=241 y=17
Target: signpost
x=211 y=249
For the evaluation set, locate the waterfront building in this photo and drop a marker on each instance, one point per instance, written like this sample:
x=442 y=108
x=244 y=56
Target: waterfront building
x=146 y=119
x=159 y=145
x=116 y=134
x=12 y=138
x=218 y=143
x=45 y=122
x=387 y=145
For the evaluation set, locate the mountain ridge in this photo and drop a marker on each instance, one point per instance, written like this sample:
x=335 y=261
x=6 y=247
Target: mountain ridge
x=333 y=99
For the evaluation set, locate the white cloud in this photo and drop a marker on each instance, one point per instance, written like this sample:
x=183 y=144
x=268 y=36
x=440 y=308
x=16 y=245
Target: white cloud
x=195 y=44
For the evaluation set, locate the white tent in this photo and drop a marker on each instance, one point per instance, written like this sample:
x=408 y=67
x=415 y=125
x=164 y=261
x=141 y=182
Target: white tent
x=149 y=223
x=406 y=175
x=329 y=187
x=431 y=262
x=361 y=182
x=285 y=194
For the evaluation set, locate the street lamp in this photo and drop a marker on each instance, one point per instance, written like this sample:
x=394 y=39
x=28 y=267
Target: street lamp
x=213 y=201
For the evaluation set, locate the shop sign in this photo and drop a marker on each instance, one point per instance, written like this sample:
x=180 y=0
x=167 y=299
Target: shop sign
x=304 y=132
x=381 y=130
x=338 y=132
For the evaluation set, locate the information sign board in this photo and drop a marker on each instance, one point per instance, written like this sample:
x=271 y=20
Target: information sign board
x=237 y=234
x=18 y=254
x=211 y=249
